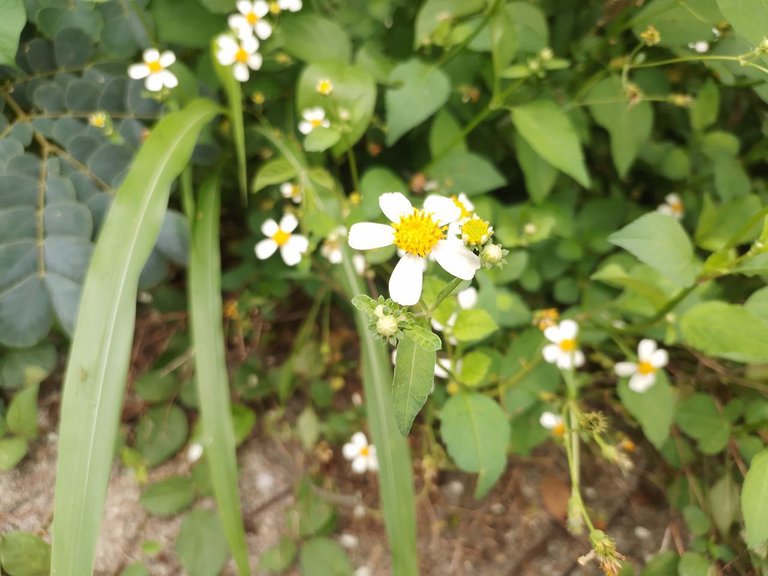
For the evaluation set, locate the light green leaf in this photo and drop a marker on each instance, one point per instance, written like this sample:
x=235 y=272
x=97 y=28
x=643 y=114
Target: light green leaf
x=661 y=242
x=654 y=409
x=312 y=38
x=539 y=174
x=201 y=546
x=308 y=427
x=11 y=24
x=699 y=417
x=161 y=433
x=472 y=325
x=706 y=107
x=718 y=223
x=280 y=557
x=413 y=381
x=24 y=554
x=434 y=13
x=418 y=91
x=445 y=134
x=26 y=366
x=726 y=331
x=694 y=564
x=749 y=18
x=425 y=338
x=22 y=413
x=101 y=347
x=135 y=569
x=695 y=519
x=723 y=500
x=549 y=131
x=313 y=513
x=12 y=450
x=466 y=172
x=754 y=501
x=475 y=367
x=628 y=127
x=272 y=172
x=476 y=431
x=663 y=564
x=320 y=139
x=169 y=496
x=324 y=557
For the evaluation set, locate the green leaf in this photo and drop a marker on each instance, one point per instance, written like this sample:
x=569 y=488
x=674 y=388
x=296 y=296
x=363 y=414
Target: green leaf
x=273 y=172
x=201 y=546
x=185 y=24
x=312 y=38
x=628 y=127
x=694 y=564
x=749 y=18
x=14 y=18
x=413 y=381
x=212 y=382
x=695 y=519
x=699 y=417
x=24 y=554
x=551 y=134
x=661 y=242
x=243 y=422
x=22 y=413
x=539 y=174
x=101 y=347
x=706 y=107
x=135 y=569
x=718 y=223
x=425 y=338
x=313 y=513
x=433 y=13
x=320 y=139
x=418 y=91
x=476 y=431
x=653 y=409
x=754 y=501
x=472 y=325
x=663 y=564
x=466 y=172
x=475 y=367
x=444 y=132
x=324 y=557
x=726 y=331
x=169 y=496
x=154 y=386
x=12 y=450
x=723 y=500
x=280 y=557
x=161 y=433
x=27 y=366
x=308 y=428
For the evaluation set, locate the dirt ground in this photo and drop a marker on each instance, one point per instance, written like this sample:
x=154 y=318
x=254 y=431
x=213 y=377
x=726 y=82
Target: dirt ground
x=517 y=530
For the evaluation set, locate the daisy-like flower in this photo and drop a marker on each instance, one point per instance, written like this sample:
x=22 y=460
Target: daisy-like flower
x=153 y=70
x=475 y=231
x=673 y=206
x=239 y=53
x=277 y=6
x=97 y=120
x=324 y=87
x=331 y=247
x=553 y=422
x=250 y=19
x=281 y=236
x=642 y=374
x=291 y=191
x=467 y=299
x=419 y=233
x=564 y=351
x=362 y=454
x=313 y=118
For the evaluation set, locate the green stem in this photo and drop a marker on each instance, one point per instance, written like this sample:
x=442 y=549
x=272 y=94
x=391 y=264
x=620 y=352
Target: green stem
x=444 y=293
x=353 y=169
x=738 y=59
x=187 y=194
x=490 y=13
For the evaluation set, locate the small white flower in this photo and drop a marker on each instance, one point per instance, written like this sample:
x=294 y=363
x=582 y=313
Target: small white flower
x=277 y=6
x=250 y=19
x=331 y=247
x=362 y=454
x=153 y=70
x=194 y=452
x=281 y=236
x=564 y=350
x=467 y=299
x=313 y=118
x=291 y=191
x=673 y=206
x=419 y=233
x=443 y=368
x=642 y=374
x=702 y=46
x=553 y=422
x=239 y=53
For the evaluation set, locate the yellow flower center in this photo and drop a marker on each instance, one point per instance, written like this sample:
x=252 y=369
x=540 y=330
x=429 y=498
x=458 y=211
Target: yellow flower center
x=559 y=430
x=464 y=212
x=364 y=451
x=154 y=67
x=241 y=56
x=476 y=231
x=418 y=233
x=676 y=206
x=324 y=87
x=98 y=120
x=274 y=7
x=281 y=237
x=645 y=368
x=568 y=345
x=316 y=122
x=252 y=18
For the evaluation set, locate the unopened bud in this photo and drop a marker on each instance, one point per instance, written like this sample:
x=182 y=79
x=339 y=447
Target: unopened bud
x=387 y=326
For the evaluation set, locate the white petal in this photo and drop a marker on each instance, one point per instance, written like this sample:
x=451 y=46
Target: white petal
x=466 y=202
x=288 y=222
x=167 y=58
x=226 y=43
x=373 y=459
x=369 y=235
x=467 y=298
x=665 y=209
x=568 y=329
x=358 y=262
x=154 y=82
x=150 y=55
x=645 y=349
x=291 y=253
x=442 y=365
x=239 y=24
x=350 y=450
x=406 y=280
x=325 y=123
x=549 y=420
x=286 y=189
x=263 y=29
x=552 y=333
x=269 y=227
x=261 y=8
x=565 y=361
x=641 y=382
x=625 y=369
x=551 y=353
x=316 y=113
x=240 y=72
x=244 y=6
x=249 y=43
x=578 y=358
x=305 y=127
x=265 y=248
x=254 y=61
x=360 y=464
x=359 y=439
x=298 y=243
x=169 y=79
x=437 y=326
x=673 y=198
x=395 y=205
x=659 y=358
x=335 y=256
x=138 y=71
x=444 y=209
x=456 y=259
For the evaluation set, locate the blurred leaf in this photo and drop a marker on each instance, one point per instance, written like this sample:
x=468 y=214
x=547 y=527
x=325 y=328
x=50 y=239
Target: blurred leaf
x=706 y=107
x=201 y=546
x=308 y=428
x=698 y=416
x=444 y=131
x=695 y=519
x=17 y=365
x=278 y=558
x=551 y=134
x=663 y=564
x=315 y=515
x=413 y=380
x=539 y=174
x=434 y=13
x=718 y=223
x=476 y=431
x=161 y=433
x=312 y=38
x=272 y=172
x=694 y=564
x=754 y=501
x=24 y=554
x=723 y=500
x=320 y=139
x=749 y=20
x=169 y=496
x=726 y=331
x=14 y=18
x=154 y=386
x=654 y=409
x=472 y=325
x=474 y=367
x=418 y=91
x=12 y=450
x=243 y=421
x=324 y=557
x=466 y=172
x=186 y=24
x=22 y=413
x=135 y=569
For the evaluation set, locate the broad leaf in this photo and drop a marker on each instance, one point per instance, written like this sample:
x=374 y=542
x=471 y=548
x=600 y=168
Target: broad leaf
x=754 y=501
x=472 y=325
x=726 y=331
x=312 y=38
x=24 y=554
x=434 y=13
x=653 y=409
x=324 y=557
x=413 y=381
x=466 y=172
x=749 y=18
x=699 y=417
x=201 y=546
x=11 y=24
x=272 y=172
x=169 y=496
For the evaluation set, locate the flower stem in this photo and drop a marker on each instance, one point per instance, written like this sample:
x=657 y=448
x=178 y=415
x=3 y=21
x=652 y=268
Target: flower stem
x=444 y=293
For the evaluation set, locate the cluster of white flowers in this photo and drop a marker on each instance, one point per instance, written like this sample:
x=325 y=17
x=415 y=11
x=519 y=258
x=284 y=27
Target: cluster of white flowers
x=672 y=206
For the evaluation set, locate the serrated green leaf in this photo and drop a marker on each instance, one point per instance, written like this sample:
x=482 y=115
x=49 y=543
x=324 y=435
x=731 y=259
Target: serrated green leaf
x=754 y=501
x=201 y=546
x=466 y=172
x=476 y=431
x=425 y=338
x=169 y=496
x=413 y=380
x=654 y=409
x=726 y=331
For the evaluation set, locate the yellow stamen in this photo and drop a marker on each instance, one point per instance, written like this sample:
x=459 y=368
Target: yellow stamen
x=568 y=345
x=324 y=87
x=418 y=233
x=465 y=213
x=252 y=18
x=559 y=430
x=676 y=207
x=646 y=368
x=274 y=8
x=98 y=120
x=546 y=318
x=281 y=237
x=154 y=67
x=364 y=451
x=242 y=56
x=476 y=231
x=316 y=122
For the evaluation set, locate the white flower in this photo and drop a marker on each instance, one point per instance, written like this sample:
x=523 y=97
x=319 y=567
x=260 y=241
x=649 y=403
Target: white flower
x=277 y=6
x=702 y=46
x=153 y=70
x=564 y=350
x=467 y=299
x=331 y=247
x=313 y=118
x=673 y=206
x=554 y=422
x=250 y=19
x=291 y=191
x=642 y=374
x=292 y=246
x=240 y=53
x=362 y=454
x=419 y=233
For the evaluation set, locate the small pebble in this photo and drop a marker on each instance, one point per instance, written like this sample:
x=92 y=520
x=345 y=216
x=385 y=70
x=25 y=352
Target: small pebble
x=349 y=541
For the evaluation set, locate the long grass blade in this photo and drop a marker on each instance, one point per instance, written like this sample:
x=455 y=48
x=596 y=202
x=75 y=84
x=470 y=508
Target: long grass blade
x=210 y=366
x=100 y=353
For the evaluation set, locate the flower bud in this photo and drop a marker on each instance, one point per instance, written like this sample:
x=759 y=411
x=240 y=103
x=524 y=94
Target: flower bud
x=387 y=326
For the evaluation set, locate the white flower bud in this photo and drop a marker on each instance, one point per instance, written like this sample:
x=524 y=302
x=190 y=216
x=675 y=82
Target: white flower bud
x=387 y=326
x=492 y=254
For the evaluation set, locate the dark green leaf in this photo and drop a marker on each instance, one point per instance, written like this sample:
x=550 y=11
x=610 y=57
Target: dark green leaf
x=161 y=433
